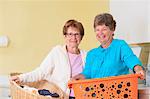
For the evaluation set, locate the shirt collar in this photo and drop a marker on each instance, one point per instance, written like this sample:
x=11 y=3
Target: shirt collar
x=103 y=49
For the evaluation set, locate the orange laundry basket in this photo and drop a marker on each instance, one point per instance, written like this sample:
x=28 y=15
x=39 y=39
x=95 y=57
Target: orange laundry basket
x=118 y=87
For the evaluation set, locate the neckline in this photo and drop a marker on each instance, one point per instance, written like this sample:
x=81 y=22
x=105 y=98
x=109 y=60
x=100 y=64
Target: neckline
x=78 y=53
x=101 y=48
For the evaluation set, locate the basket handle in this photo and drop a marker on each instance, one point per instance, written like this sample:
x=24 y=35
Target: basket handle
x=11 y=82
x=14 y=83
x=139 y=76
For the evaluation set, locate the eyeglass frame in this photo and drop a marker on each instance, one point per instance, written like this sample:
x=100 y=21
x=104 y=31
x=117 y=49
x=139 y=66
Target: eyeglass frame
x=73 y=34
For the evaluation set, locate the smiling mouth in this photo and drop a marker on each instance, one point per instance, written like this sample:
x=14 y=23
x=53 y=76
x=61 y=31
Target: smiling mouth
x=102 y=36
x=73 y=41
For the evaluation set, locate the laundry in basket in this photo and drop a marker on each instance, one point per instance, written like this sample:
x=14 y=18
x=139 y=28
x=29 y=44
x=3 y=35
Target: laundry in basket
x=17 y=92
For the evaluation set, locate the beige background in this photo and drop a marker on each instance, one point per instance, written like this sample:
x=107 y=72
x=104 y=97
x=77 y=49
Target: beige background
x=35 y=26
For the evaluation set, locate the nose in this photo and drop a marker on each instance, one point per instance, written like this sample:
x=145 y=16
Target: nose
x=99 y=33
x=73 y=36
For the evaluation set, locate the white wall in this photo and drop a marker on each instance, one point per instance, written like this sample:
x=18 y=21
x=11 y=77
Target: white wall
x=132 y=20
x=149 y=20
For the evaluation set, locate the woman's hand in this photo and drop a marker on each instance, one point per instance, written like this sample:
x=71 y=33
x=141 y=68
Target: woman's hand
x=78 y=77
x=15 y=78
x=139 y=70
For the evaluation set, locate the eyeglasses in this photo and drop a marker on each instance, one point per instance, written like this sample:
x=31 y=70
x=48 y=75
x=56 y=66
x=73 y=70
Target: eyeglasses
x=75 y=34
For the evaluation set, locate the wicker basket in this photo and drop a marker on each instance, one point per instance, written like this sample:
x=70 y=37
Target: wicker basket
x=118 y=87
x=19 y=93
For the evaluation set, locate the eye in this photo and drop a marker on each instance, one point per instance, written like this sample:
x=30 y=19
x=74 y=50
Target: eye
x=77 y=34
x=97 y=30
x=70 y=34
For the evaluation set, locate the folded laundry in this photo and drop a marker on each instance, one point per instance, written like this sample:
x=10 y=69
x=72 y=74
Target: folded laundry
x=45 y=92
x=30 y=89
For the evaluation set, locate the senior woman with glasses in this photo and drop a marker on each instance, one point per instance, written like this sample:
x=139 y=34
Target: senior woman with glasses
x=63 y=62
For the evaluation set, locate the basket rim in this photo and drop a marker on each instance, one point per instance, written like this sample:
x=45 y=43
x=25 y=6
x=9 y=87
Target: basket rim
x=104 y=79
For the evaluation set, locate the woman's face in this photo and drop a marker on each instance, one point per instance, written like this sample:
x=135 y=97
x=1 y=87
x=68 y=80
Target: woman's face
x=103 y=34
x=72 y=37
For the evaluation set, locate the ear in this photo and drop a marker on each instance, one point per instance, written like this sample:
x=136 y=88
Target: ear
x=94 y=29
x=64 y=36
x=112 y=32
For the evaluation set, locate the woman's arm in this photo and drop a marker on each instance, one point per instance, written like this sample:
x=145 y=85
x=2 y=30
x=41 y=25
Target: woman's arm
x=39 y=73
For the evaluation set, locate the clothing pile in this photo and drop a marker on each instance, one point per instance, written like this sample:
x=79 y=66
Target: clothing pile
x=43 y=92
